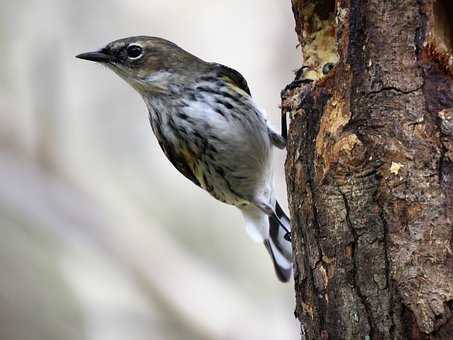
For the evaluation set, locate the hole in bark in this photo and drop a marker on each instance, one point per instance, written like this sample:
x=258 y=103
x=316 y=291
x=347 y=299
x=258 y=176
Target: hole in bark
x=324 y=9
x=443 y=26
x=450 y=305
x=438 y=317
x=319 y=43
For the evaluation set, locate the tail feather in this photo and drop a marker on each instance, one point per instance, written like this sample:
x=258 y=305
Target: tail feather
x=278 y=247
x=267 y=228
x=283 y=274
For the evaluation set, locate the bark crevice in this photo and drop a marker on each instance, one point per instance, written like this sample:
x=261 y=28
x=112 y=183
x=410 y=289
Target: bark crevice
x=356 y=284
x=395 y=89
x=388 y=278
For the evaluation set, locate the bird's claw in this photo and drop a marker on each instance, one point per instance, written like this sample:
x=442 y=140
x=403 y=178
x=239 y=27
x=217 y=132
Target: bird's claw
x=293 y=85
x=296 y=83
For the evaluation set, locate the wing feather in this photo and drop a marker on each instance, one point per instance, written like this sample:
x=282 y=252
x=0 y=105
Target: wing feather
x=233 y=76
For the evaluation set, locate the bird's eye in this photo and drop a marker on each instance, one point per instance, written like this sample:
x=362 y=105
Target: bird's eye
x=134 y=51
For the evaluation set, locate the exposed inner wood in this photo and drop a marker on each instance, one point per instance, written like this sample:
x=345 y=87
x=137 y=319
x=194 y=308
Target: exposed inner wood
x=319 y=42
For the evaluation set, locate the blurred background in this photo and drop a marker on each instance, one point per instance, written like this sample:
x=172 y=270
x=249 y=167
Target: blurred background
x=101 y=238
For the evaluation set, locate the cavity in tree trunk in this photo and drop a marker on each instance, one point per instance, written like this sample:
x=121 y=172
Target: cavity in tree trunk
x=370 y=169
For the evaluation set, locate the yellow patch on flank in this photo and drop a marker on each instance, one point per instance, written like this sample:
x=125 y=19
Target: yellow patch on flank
x=188 y=157
x=191 y=161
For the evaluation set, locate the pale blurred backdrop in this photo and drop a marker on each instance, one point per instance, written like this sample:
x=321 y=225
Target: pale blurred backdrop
x=101 y=238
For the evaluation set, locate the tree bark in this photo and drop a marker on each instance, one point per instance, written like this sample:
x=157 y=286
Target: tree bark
x=370 y=169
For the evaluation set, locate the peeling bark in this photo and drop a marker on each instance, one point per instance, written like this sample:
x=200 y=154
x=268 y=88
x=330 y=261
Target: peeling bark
x=370 y=169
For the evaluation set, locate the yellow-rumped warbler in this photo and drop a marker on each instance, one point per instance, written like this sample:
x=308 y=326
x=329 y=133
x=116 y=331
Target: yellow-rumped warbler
x=210 y=129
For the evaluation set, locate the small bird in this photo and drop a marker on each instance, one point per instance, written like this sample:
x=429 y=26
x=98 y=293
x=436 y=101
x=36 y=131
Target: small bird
x=210 y=129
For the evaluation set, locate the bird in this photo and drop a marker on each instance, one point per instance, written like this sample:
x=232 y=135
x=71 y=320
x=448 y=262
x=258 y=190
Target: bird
x=211 y=130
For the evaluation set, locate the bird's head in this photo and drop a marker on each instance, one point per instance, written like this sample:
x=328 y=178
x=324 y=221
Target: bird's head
x=149 y=64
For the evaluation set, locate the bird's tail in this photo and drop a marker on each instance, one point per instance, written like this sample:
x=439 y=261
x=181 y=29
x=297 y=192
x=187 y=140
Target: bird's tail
x=267 y=228
x=279 y=248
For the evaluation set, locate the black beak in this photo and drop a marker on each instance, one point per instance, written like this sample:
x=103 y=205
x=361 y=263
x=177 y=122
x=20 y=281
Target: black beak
x=98 y=56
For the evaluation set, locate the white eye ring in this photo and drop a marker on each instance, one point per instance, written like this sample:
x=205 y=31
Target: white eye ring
x=132 y=50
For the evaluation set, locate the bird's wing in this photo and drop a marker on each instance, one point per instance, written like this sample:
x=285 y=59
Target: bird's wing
x=236 y=79
x=232 y=76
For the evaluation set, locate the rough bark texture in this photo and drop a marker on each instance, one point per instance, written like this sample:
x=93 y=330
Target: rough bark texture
x=370 y=169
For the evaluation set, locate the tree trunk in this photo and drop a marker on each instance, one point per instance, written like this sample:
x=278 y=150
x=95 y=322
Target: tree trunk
x=370 y=169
